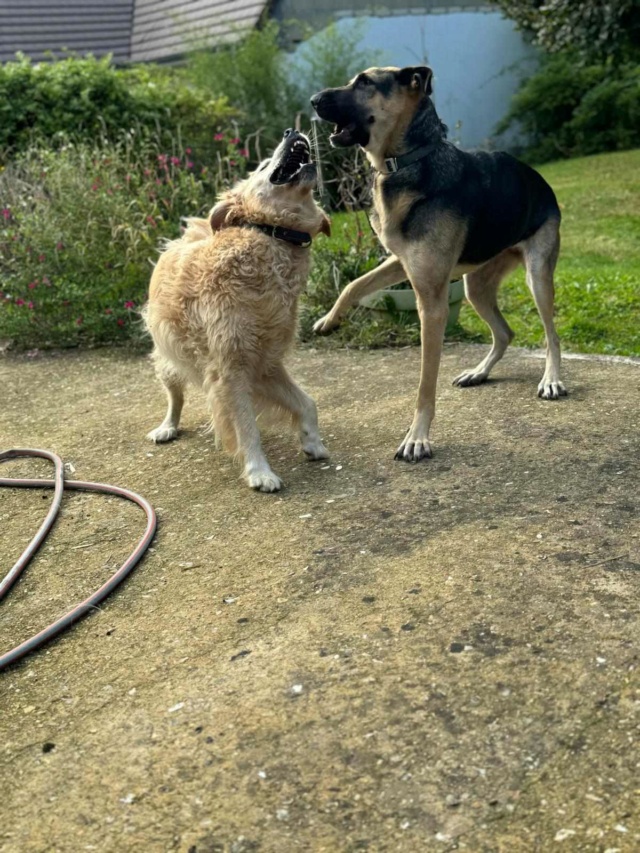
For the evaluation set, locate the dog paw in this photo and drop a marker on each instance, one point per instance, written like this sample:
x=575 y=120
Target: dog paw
x=264 y=481
x=413 y=449
x=162 y=434
x=551 y=390
x=315 y=449
x=470 y=377
x=325 y=325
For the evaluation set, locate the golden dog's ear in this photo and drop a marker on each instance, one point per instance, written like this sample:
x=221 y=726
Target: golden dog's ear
x=326 y=225
x=218 y=214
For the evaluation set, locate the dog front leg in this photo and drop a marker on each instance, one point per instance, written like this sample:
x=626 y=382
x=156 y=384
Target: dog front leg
x=389 y=272
x=433 y=307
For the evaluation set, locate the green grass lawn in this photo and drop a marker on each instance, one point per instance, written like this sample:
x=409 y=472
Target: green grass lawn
x=597 y=279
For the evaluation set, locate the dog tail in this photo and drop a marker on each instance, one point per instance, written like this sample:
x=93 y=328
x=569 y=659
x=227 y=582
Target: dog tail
x=197 y=229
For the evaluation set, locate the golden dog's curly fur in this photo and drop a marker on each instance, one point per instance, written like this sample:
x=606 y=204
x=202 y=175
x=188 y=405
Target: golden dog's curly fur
x=222 y=312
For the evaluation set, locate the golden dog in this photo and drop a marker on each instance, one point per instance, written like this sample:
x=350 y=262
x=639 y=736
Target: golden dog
x=222 y=308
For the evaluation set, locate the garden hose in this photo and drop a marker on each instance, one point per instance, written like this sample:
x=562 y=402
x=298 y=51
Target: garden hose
x=58 y=484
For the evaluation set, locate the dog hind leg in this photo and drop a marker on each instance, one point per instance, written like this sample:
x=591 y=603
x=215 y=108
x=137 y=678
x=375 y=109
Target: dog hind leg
x=174 y=387
x=540 y=257
x=280 y=390
x=481 y=289
x=229 y=398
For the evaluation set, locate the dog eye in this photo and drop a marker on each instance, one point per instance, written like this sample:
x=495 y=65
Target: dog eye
x=362 y=80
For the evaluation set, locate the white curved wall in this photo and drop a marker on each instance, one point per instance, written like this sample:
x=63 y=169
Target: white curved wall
x=478 y=60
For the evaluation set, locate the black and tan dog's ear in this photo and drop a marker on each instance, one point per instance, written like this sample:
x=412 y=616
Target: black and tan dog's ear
x=325 y=228
x=218 y=214
x=418 y=78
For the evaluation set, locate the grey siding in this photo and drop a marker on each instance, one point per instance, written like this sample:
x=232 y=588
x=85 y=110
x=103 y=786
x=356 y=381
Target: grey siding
x=38 y=26
x=166 y=29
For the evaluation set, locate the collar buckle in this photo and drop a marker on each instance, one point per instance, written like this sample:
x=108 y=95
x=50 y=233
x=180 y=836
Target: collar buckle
x=391 y=164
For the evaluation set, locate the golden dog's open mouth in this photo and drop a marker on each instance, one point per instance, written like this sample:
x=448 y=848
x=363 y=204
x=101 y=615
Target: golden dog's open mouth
x=294 y=163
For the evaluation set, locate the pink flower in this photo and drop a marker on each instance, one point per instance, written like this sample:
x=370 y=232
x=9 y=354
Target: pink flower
x=243 y=152
x=175 y=161
x=120 y=322
x=232 y=162
x=152 y=221
x=189 y=164
x=218 y=137
x=59 y=246
x=108 y=311
x=146 y=173
x=95 y=187
x=46 y=280
x=79 y=321
x=235 y=140
x=41 y=258
x=187 y=151
x=33 y=285
x=162 y=158
x=30 y=305
x=129 y=304
x=6 y=213
x=19 y=301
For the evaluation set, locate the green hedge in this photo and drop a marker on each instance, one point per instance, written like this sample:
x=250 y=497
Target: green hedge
x=83 y=98
x=569 y=109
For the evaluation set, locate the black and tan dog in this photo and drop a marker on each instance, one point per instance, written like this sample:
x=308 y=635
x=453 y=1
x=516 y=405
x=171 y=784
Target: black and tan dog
x=441 y=213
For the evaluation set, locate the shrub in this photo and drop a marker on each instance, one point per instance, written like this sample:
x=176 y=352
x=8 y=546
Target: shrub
x=271 y=89
x=79 y=228
x=568 y=109
x=81 y=98
x=252 y=74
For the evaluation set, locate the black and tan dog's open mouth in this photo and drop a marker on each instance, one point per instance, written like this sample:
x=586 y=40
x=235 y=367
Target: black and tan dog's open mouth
x=292 y=163
x=342 y=134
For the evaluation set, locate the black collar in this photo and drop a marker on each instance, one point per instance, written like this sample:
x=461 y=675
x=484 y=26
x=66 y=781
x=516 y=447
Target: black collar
x=392 y=164
x=296 y=238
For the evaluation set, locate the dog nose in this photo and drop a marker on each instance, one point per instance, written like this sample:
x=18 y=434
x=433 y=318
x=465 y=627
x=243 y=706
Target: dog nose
x=287 y=132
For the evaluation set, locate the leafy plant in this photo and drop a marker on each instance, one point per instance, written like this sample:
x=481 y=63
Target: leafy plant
x=590 y=28
x=79 y=228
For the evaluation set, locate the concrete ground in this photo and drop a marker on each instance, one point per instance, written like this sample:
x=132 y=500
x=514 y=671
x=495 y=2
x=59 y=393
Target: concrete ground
x=383 y=657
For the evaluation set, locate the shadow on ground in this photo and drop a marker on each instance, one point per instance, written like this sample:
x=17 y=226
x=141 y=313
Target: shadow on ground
x=383 y=657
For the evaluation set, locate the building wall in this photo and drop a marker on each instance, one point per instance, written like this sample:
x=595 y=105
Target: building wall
x=478 y=59
x=38 y=26
x=167 y=29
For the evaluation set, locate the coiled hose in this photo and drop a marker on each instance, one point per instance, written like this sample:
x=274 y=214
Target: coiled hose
x=59 y=484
